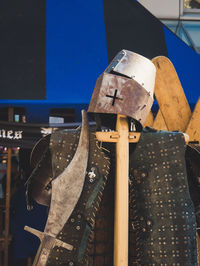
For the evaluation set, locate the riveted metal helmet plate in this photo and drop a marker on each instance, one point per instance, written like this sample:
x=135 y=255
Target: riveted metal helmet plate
x=125 y=87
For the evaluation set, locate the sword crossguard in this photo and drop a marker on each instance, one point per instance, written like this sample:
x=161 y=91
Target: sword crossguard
x=41 y=235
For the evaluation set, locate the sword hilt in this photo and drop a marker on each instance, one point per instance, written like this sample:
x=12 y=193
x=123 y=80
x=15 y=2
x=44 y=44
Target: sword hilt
x=41 y=235
x=48 y=242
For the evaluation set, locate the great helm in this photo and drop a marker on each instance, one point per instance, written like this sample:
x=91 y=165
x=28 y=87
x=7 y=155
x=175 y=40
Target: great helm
x=126 y=87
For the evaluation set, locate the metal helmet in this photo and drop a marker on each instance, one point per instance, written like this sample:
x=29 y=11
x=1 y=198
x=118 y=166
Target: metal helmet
x=126 y=87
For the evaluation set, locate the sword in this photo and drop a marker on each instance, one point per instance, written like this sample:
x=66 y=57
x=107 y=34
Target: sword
x=66 y=190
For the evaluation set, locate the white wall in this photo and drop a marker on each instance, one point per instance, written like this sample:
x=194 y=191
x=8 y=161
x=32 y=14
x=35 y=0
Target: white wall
x=164 y=9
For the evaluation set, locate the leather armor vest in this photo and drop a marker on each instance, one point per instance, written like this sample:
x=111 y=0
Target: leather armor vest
x=162 y=219
x=78 y=230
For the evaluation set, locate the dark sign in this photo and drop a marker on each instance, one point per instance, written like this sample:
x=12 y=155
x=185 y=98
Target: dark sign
x=26 y=135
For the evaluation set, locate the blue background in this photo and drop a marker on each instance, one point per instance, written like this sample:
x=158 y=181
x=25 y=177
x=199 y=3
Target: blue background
x=76 y=54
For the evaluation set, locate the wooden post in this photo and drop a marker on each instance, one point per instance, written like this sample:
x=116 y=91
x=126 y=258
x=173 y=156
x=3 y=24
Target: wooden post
x=29 y=261
x=8 y=182
x=170 y=95
x=1 y=230
x=122 y=137
x=121 y=225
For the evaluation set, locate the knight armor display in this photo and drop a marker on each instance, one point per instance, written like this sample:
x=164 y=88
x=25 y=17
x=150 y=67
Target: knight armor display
x=71 y=175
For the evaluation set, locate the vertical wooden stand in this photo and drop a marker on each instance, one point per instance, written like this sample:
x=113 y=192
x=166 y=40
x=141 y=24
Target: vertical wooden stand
x=122 y=137
x=121 y=194
x=8 y=183
x=29 y=261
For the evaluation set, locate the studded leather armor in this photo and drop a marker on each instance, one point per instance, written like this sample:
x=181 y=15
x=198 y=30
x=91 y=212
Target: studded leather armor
x=162 y=219
x=78 y=230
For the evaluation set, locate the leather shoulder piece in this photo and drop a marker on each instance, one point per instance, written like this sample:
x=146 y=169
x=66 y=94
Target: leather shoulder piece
x=78 y=230
x=37 y=185
x=162 y=218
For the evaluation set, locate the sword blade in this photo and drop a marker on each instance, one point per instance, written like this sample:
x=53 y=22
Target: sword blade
x=66 y=190
x=67 y=187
